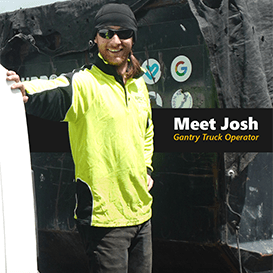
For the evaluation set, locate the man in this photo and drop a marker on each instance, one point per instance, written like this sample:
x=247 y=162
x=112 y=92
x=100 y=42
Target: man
x=111 y=137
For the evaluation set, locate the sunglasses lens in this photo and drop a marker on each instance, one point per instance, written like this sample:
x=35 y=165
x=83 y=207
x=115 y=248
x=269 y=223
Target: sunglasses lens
x=106 y=33
x=125 y=34
x=122 y=34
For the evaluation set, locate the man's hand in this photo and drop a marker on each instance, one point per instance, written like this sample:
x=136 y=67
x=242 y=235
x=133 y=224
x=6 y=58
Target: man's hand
x=150 y=182
x=12 y=76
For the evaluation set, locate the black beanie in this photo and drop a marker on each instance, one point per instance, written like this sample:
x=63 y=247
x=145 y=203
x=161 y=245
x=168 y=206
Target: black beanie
x=115 y=15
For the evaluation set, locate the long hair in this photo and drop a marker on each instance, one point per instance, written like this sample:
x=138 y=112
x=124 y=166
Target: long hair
x=134 y=68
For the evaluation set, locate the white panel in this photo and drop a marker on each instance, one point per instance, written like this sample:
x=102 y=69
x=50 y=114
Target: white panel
x=18 y=252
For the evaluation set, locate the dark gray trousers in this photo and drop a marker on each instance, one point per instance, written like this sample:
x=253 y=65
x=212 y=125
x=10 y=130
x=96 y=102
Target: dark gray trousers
x=118 y=250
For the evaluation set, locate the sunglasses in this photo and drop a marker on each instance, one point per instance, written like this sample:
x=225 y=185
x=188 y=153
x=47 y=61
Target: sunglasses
x=122 y=34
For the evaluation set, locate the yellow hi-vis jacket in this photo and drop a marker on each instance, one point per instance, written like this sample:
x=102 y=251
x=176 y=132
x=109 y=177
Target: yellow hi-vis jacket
x=111 y=138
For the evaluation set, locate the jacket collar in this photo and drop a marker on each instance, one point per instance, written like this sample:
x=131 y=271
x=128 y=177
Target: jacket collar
x=109 y=69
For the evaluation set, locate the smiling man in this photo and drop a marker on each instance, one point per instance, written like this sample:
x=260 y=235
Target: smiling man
x=114 y=48
x=111 y=136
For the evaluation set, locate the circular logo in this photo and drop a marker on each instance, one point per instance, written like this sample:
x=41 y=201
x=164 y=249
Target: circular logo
x=155 y=99
x=181 y=68
x=181 y=99
x=153 y=72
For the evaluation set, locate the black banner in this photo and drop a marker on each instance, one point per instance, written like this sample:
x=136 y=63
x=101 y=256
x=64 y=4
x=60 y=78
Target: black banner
x=180 y=130
x=213 y=130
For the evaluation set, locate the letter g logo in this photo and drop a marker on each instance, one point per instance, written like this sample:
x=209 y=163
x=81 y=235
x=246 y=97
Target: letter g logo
x=181 y=68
